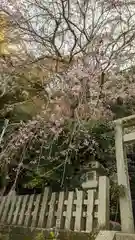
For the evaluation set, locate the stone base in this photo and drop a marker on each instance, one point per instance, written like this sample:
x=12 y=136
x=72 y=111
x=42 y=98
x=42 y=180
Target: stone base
x=22 y=233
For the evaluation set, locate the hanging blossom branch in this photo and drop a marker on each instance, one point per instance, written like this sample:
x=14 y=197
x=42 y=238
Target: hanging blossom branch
x=4 y=129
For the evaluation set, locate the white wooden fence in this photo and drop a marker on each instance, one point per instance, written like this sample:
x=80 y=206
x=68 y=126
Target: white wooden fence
x=78 y=211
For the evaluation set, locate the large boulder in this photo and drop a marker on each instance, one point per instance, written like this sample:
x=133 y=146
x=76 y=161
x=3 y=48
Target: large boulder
x=115 y=226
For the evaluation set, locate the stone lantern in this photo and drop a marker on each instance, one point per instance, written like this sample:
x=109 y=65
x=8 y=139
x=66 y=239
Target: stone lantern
x=92 y=173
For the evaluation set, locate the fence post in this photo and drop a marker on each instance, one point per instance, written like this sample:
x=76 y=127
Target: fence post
x=104 y=203
x=127 y=223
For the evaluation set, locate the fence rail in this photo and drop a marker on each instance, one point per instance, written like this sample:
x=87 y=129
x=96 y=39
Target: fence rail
x=77 y=211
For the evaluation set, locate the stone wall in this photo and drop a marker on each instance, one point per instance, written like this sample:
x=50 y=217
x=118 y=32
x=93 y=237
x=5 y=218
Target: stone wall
x=21 y=233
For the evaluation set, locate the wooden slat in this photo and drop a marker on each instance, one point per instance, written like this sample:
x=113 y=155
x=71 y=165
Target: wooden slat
x=6 y=208
x=69 y=210
x=43 y=208
x=18 y=206
x=51 y=211
x=84 y=214
x=78 y=211
x=28 y=213
x=10 y=215
x=3 y=199
x=103 y=207
x=96 y=202
x=36 y=210
x=60 y=210
x=22 y=212
x=90 y=206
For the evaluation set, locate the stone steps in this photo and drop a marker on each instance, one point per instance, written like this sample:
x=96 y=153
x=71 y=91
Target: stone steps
x=114 y=235
x=124 y=236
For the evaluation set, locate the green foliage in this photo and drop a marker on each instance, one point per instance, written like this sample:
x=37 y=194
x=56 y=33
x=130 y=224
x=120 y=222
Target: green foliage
x=40 y=236
x=116 y=191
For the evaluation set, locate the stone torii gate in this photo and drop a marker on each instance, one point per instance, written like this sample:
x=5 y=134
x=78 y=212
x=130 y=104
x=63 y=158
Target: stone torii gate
x=127 y=222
